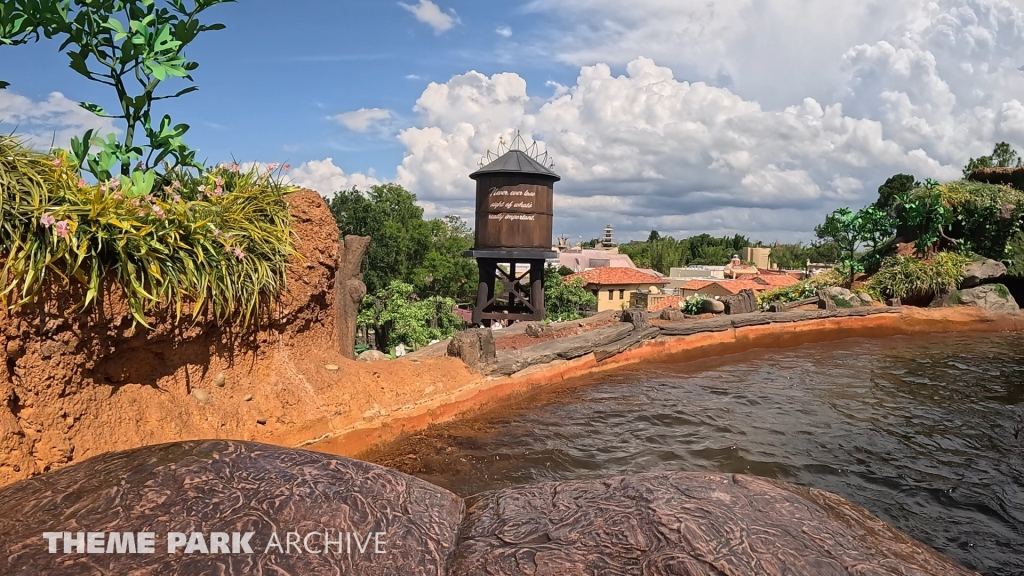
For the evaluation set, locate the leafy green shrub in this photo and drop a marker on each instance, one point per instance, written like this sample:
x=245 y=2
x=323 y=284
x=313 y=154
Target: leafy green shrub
x=397 y=316
x=906 y=277
x=694 y=304
x=802 y=290
x=564 y=299
x=219 y=240
x=976 y=216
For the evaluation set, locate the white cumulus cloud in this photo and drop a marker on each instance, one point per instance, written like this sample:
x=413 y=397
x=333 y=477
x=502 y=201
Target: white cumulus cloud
x=326 y=178
x=504 y=31
x=432 y=15
x=361 y=120
x=53 y=121
x=740 y=116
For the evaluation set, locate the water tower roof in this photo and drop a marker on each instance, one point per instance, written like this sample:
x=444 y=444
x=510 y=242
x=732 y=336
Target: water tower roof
x=516 y=162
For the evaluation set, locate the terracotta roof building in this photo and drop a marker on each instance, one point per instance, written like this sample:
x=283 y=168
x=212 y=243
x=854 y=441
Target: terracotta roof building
x=614 y=287
x=758 y=283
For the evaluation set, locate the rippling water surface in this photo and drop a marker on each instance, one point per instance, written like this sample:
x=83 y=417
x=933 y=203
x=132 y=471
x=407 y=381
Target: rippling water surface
x=918 y=430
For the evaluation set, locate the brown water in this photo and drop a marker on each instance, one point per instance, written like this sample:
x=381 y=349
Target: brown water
x=918 y=430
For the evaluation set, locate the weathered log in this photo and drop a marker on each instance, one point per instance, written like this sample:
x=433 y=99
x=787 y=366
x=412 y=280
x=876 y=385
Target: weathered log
x=559 y=349
x=619 y=346
x=210 y=486
x=786 y=306
x=349 y=291
x=865 y=311
x=689 y=327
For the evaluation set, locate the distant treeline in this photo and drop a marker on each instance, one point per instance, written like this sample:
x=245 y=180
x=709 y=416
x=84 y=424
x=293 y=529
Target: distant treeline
x=662 y=253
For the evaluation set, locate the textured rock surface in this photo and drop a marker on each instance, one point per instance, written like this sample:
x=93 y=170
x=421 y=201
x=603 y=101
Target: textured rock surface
x=671 y=314
x=229 y=486
x=713 y=306
x=977 y=273
x=538 y=329
x=992 y=297
x=475 y=347
x=371 y=356
x=743 y=303
x=637 y=317
x=683 y=523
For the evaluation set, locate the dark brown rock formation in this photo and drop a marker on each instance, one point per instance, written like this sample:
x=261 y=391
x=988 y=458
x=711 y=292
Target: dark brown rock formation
x=637 y=317
x=220 y=486
x=671 y=314
x=683 y=523
x=742 y=303
x=349 y=291
x=475 y=347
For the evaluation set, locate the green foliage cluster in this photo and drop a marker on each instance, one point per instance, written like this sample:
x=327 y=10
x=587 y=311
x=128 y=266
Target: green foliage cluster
x=907 y=277
x=398 y=316
x=662 y=253
x=405 y=246
x=219 y=240
x=976 y=217
x=1003 y=156
x=694 y=304
x=565 y=299
x=132 y=46
x=849 y=230
x=802 y=290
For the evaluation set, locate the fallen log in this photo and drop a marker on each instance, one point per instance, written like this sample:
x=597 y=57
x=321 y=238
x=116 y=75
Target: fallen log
x=619 y=346
x=559 y=349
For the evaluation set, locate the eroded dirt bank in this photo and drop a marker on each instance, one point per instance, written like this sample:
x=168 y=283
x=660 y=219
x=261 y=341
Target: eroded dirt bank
x=74 y=386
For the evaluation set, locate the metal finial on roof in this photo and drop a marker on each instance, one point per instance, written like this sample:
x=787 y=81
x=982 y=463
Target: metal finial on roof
x=517 y=156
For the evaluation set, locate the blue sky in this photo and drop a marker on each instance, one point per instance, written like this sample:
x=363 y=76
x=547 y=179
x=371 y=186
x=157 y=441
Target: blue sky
x=270 y=81
x=738 y=116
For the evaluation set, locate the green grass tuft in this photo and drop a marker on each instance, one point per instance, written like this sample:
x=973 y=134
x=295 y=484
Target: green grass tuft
x=907 y=277
x=187 y=244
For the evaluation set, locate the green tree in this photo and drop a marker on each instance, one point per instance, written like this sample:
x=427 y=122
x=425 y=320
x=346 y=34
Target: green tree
x=876 y=228
x=1003 y=156
x=444 y=270
x=653 y=236
x=398 y=316
x=564 y=298
x=895 y=187
x=405 y=247
x=132 y=46
x=842 y=227
x=789 y=256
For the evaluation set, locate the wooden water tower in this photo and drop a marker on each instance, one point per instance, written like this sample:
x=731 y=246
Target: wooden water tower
x=514 y=201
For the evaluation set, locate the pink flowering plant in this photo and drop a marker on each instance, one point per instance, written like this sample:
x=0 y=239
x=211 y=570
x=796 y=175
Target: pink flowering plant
x=203 y=245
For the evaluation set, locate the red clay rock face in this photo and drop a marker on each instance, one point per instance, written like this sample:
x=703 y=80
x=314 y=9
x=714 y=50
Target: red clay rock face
x=77 y=385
